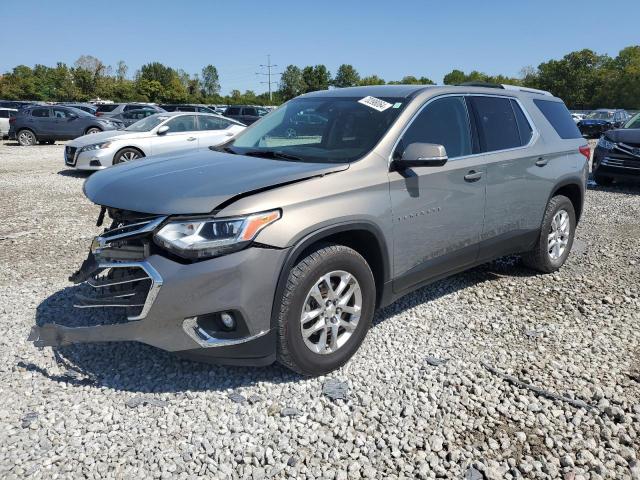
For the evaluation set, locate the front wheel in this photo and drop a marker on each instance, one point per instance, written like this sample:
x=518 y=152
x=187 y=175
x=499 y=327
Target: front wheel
x=556 y=236
x=126 y=155
x=326 y=310
x=602 y=180
x=93 y=130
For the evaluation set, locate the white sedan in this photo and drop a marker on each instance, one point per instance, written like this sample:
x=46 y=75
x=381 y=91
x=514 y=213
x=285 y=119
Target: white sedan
x=157 y=134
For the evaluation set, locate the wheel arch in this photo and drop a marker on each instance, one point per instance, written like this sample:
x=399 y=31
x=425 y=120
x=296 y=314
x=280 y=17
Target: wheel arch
x=574 y=191
x=92 y=126
x=365 y=238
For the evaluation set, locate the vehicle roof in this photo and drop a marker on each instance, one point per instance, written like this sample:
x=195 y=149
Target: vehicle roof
x=406 y=91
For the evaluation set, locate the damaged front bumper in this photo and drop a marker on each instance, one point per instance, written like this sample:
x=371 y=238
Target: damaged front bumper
x=175 y=306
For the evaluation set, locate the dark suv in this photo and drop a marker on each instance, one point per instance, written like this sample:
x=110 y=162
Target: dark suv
x=112 y=109
x=246 y=114
x=46 y=124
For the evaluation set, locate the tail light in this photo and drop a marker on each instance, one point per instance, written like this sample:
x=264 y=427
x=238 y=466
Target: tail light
x=12 y=120
x=586 y=151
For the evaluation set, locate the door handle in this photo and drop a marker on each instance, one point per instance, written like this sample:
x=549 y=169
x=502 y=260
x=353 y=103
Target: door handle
x=541 y=162
x=191 y=139
x=473 y=176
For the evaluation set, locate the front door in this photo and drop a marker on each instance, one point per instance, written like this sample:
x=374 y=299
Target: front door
x=182 y=135
x=437 y=212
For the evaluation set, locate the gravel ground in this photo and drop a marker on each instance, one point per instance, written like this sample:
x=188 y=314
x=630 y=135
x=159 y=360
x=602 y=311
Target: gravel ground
x=425 y=396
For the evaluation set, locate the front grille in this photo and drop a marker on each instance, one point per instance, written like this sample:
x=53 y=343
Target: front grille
x=130 y=285
x=621 y=162
x=70 y=156
x=116 y=273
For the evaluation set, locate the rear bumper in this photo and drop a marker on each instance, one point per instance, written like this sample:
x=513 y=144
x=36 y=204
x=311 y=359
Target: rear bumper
x=242 y=282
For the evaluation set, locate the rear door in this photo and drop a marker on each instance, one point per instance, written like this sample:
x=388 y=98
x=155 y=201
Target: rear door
x=437 y=211
x=182 y=135
x=516 y=169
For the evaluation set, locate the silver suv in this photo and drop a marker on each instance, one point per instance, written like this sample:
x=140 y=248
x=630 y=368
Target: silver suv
x=280 y=247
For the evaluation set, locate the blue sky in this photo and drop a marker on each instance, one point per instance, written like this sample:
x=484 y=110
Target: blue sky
x=391 y=39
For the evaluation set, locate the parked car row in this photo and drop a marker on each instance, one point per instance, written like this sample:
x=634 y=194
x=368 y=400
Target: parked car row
x=617 y=154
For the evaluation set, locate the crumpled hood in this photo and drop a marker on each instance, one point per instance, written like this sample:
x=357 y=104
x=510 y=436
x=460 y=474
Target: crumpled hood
x=625 y=135
x=193 y=182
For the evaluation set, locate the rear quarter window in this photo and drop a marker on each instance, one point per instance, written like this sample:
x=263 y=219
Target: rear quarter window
x=559 y=117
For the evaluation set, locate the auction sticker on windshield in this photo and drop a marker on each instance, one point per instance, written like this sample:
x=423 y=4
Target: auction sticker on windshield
x=375 y=103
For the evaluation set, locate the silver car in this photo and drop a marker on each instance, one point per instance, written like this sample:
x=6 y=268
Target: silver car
x=165 y=132
x=281 y=247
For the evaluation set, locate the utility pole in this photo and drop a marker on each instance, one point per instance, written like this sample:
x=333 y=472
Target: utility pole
x=268 y=74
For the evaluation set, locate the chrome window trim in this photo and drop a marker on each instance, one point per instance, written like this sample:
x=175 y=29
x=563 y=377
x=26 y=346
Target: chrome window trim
x=534 y=135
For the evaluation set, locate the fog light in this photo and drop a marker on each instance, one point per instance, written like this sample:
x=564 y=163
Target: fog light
x=228 y=321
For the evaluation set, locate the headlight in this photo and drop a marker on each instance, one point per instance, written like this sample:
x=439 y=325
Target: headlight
x=95 y=146
x=606 y=144
x=209 y=237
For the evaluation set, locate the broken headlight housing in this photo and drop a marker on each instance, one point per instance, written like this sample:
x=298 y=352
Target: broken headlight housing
x=211 y=237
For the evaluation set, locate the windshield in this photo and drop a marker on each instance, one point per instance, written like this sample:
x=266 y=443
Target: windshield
x=146 y=124
x=634 y=122
x=601 y=115
x=320 y=129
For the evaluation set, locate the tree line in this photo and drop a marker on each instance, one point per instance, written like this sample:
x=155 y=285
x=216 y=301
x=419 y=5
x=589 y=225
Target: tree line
x=583 y=79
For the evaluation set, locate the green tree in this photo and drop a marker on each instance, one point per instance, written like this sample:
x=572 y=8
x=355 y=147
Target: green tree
x=454 y=77
x=372 y=80
x=347 y=76
x=121 y=70
x=291 y=83
x=411 y=80
x=210 y=81
x=316 y=78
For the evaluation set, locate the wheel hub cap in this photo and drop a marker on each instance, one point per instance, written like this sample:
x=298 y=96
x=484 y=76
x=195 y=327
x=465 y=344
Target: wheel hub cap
x=331 y=312
x=558 y=237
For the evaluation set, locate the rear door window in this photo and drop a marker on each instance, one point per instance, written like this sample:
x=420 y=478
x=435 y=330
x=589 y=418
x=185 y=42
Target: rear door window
x=183 y=123
x=559 y=117
x=4 y=113
x=524 y=127
x=496 y=122
x=40 y=112
x=133 y=107
x=250 y=111
x=186 y=108
x=232 y=111
x=444 y=122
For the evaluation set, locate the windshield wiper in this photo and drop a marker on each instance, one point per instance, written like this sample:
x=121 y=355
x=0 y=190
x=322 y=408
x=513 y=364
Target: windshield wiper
x=273 y=154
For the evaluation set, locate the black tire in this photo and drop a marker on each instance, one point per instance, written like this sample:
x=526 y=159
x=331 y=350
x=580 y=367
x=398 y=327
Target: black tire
x=92 y=130
x=539 y=258
x=26 y=137
x=602 y=180
x=127 y=154
x=292 y=352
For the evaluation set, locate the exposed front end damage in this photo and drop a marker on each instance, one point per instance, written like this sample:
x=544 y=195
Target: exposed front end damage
x=168 y=302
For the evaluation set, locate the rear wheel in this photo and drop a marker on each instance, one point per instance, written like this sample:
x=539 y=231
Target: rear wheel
x=26 y=138
x=326 y=310
x=556 y=236
x=127 y=155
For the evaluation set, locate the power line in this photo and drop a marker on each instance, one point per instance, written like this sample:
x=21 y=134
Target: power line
x=268 y=74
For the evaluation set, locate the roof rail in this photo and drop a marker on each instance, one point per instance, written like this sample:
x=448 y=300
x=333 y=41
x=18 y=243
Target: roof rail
x=479 y=84
x=526 y=89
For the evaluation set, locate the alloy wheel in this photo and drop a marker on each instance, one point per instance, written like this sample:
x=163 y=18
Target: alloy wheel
x=26 y=138
x=331 y=312
x=128 y=156
x=558 y=237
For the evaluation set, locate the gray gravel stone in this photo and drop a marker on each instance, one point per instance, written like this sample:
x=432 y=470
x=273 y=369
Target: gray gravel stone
x=403 y=417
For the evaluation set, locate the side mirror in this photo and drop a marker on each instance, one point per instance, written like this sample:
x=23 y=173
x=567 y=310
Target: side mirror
x=422 y=155
x=163 y=129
